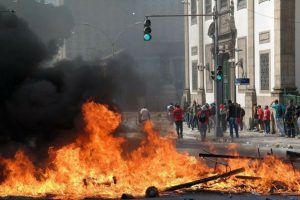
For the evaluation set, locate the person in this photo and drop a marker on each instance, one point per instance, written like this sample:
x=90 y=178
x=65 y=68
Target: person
x=203 y=118
x=223 y=116
x=193 y=121
x=279 y=111
x=255 y=118
x=231 y=117
x=144 y=114
x=289 y=119
x=266 y=119
x=242 y=117
x=212 y=113
x=298 y=119
x=260 y=114
x=178 y=118
x=170 y=109
x=238 y=114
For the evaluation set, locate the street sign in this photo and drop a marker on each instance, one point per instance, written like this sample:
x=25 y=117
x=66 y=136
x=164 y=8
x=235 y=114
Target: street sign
x=242 y=81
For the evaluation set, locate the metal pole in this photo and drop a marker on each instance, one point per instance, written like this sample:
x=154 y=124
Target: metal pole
x=217 y=92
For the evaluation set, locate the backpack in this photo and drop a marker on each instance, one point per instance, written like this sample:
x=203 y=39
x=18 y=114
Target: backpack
x=202 y=117
x=279 y=111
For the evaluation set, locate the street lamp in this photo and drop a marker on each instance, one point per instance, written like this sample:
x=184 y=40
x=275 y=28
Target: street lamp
x=113 y=41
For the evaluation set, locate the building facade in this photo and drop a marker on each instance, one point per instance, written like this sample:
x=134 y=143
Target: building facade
x=257 y=40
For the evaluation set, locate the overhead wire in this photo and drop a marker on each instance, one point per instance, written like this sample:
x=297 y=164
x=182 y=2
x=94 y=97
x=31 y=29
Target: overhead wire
x=275 y=18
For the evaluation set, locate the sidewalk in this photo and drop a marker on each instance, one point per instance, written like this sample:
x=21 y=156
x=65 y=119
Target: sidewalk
x=247 y=137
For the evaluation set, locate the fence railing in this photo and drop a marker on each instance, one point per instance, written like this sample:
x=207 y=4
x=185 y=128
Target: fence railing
x=288 y=97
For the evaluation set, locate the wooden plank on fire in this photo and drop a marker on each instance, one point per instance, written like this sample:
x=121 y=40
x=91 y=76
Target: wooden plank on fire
x=227 y=156
x=204 y=180
x=248 y=177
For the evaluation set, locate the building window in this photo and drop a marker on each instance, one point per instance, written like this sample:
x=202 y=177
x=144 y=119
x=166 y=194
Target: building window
x=223 y=4
x=241 y=4
x=193 y=12
x=264 y=71
x=194 y=75
x=194 y=50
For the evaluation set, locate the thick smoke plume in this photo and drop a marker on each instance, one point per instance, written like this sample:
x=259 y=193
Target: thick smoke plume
x=41 y=105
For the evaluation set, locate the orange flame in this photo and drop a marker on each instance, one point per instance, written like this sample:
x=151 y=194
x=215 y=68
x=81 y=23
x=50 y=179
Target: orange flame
x=94 y=165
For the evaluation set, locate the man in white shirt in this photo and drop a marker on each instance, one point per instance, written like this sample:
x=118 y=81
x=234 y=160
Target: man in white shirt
x=144 y=114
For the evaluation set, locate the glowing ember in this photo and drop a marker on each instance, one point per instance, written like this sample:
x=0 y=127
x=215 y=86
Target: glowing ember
x=95 y=166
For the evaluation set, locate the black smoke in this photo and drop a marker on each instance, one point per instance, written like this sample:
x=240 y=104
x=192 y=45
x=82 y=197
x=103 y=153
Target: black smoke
x=51 y=23
x=40 y=105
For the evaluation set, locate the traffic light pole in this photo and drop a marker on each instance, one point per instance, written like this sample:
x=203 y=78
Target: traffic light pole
x=217 y=83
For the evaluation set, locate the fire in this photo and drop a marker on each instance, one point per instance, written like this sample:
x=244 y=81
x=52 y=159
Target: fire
x=95 y=165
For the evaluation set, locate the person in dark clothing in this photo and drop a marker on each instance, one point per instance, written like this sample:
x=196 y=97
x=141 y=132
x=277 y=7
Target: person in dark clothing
x=231 y=117
x=238 y=114
x=289 y=119
x=178 y=118
x=203 y=118
x=255 y=118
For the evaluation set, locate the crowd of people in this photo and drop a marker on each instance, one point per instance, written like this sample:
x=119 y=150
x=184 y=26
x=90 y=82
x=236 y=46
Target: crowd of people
x=286 y=117
x=202 y=118
x=231 y=115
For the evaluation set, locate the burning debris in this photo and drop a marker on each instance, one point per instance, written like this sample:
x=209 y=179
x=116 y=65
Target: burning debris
x=39 y=104
x=93 y=166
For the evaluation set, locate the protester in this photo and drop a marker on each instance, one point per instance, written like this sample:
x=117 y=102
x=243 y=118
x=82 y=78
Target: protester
x=193 y=121
x=178 y=117
x=187 y=115
x=266 y=119
x=242 y=115
x=212 y=115
x=144 y=115
x=260 y=114
x=203 y=118
x=255 y=118
x=289 y=119
x=231 y=117
x=170 y=109
x=238 y=114
x=279 y=112
x=223 y=116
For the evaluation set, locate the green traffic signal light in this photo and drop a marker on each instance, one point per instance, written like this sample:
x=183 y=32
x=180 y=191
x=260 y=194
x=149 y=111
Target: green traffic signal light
x=147 y=37
x=219 y=76
x=147 y=30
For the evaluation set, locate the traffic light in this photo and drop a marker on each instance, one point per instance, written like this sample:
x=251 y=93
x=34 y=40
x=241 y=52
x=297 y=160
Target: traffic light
x=212 y=75
x=219 y=73
x=147 y=30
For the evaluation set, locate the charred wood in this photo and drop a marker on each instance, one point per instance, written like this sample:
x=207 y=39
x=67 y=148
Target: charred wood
x=248 y=177
x=204 y=180
x=292 y=154
x=227 y=156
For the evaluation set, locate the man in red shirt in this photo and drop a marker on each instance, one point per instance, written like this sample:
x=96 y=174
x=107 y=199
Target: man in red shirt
x=178 y=118
x=267 y=118
x=260 y=114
